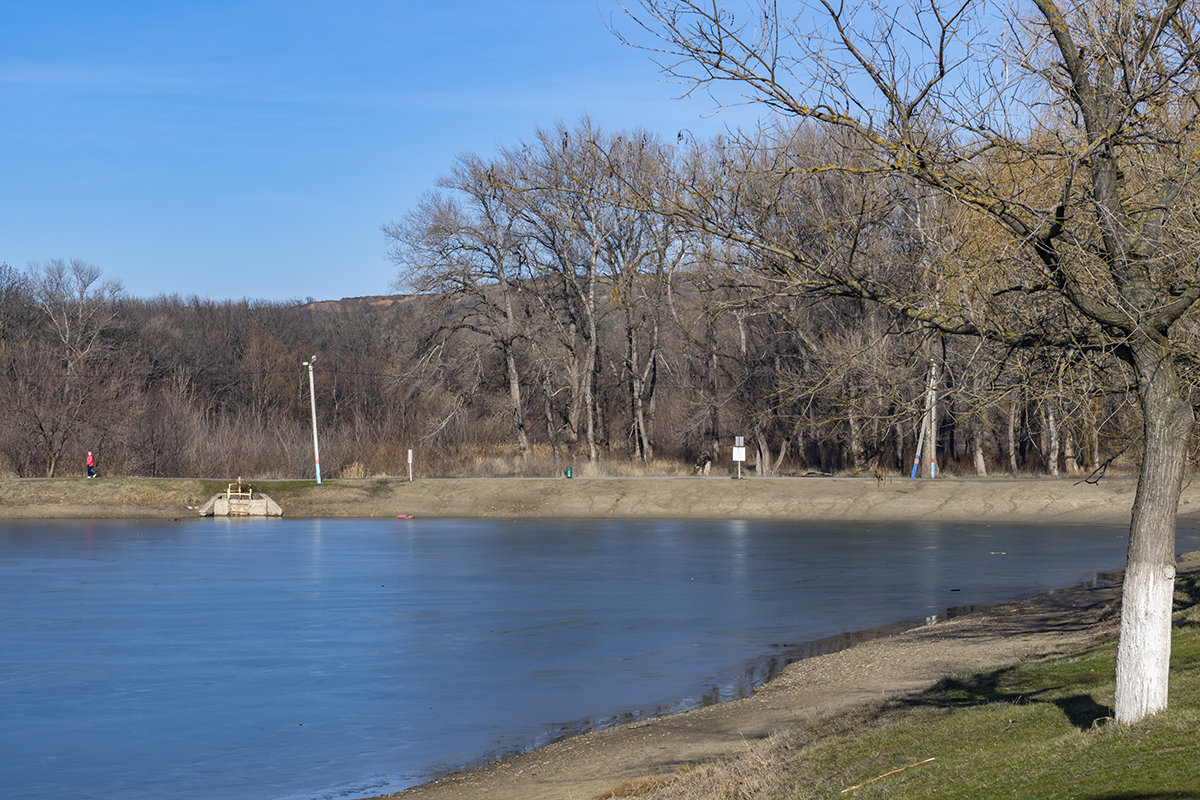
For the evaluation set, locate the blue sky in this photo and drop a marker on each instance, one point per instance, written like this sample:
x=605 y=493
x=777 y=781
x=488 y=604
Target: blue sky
x=253 y=149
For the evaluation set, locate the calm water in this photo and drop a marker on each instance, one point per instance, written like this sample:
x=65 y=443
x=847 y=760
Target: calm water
x=301 y=659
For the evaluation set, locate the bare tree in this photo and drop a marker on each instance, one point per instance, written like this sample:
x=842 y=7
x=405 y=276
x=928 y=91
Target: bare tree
x=65 y=381
x=79 y=306
x=1067 y=129
x=15 y=306
x=640 y=252
x=563 y=182
x=472 y=251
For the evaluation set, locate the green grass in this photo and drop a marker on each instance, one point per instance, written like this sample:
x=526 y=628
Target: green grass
x=1032 y=731
x=284 y=488
x=280 y=488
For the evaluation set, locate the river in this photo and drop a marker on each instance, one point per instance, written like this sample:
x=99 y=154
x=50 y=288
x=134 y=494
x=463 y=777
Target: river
x=304 y=659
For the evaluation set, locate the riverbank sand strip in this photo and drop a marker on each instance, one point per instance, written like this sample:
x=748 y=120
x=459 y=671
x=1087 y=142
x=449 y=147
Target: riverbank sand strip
x=829 y=499
x=998 y=500
x=582 y=767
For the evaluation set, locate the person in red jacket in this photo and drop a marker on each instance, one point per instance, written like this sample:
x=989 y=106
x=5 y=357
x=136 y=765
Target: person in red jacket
x=91 y=465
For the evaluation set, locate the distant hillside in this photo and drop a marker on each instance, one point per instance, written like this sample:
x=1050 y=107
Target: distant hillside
x=356 y=303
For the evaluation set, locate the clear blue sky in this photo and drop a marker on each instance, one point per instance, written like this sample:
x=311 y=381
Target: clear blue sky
x=253 y=148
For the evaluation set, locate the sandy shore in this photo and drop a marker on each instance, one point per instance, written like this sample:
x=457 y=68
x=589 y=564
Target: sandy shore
x=752 y=498
x=846 y=499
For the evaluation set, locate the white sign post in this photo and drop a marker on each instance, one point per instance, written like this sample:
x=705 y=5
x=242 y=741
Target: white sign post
x=739 y=453
x=410 y=466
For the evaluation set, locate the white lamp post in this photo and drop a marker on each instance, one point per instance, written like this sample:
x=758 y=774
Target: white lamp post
x=312 y=397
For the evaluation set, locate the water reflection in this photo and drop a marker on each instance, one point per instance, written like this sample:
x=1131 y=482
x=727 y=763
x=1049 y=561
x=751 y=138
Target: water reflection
x=230 y=659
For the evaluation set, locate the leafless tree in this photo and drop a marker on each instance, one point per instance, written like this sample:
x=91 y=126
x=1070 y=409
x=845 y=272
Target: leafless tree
x=64 y=381
x=563 y=182
x=466 y=246
x=640 y=253
x=79 y=306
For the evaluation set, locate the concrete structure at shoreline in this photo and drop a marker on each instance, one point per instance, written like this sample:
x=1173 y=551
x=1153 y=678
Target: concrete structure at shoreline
x=241 y=501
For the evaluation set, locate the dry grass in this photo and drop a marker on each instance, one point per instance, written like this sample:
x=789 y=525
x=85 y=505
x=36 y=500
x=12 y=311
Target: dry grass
x=355 y=471
x=638 y=787
x=508 y=463
x=105 y=490
x=634 y=469
x=761 y=771
x=152 y=491
x=650 y=785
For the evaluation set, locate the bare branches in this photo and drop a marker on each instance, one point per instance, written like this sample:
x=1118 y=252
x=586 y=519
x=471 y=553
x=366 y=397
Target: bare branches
x=77 y=303
x=1087 y=143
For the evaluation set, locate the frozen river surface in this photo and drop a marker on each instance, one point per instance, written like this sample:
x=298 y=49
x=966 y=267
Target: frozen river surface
x=304 y=659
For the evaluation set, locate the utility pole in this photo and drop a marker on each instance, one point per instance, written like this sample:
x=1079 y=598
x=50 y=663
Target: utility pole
x=312 y=397
x=931 y=411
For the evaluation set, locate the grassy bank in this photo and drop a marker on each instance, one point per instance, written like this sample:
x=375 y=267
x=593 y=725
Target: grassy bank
x=1039 y=730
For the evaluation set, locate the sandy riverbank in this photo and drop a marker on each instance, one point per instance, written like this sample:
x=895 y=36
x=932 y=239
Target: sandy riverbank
x=847 y=499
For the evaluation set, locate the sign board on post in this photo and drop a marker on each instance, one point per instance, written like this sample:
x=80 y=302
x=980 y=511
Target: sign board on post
x=739 y=453
x=410 y=466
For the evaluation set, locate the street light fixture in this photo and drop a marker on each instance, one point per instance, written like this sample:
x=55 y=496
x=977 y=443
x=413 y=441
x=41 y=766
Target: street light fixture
x=312 y=397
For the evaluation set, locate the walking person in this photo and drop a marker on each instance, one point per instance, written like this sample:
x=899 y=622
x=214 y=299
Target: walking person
x=91 y=465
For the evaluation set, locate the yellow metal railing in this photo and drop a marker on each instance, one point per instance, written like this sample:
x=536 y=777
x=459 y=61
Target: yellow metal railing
x=239 y=499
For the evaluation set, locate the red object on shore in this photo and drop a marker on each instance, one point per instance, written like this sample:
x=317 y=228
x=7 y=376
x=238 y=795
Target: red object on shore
x=404 y=516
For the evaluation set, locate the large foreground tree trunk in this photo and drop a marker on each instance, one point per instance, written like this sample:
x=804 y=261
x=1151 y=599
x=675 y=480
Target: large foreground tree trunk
x=1144 y=652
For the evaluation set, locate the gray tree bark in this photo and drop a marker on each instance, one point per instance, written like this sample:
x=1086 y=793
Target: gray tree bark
x=1144 y=650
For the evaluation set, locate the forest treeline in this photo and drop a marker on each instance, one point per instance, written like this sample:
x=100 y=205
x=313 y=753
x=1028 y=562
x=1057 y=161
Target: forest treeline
x=557 y=314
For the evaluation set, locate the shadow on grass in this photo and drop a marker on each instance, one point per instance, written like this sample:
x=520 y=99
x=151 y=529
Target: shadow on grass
x=1081 y=710
x=1187 y=594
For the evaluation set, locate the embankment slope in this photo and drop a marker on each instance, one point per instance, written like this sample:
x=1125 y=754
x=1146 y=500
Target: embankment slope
x=945 y=500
